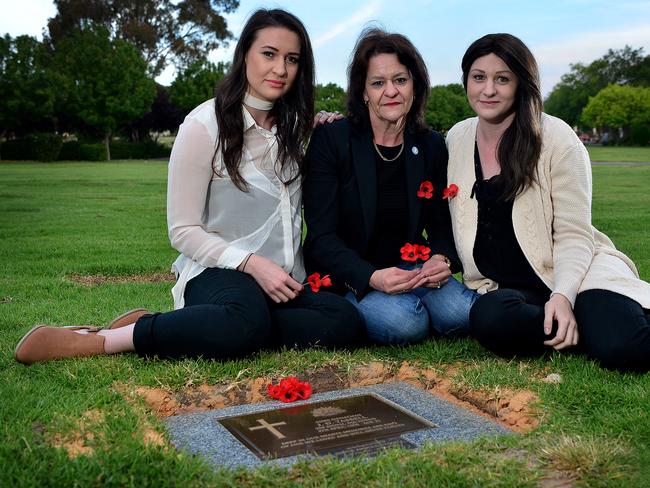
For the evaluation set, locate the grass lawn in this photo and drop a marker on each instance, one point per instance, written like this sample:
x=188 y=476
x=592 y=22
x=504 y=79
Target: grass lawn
x=73 y=423
x=619 y=153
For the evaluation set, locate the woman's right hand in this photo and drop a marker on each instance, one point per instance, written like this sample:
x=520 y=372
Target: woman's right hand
x=395 y=280
x=276 y=282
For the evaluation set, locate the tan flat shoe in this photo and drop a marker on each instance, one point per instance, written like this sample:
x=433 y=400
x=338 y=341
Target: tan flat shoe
x=44 y=343
x=127 y=318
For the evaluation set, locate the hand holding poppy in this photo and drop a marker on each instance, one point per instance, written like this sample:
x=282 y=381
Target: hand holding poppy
x=395 y=280
x=435 y=272
x=315 y=281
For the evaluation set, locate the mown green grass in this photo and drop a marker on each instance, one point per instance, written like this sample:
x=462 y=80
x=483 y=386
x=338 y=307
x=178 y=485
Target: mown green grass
x=619 y=153
x=64 y=219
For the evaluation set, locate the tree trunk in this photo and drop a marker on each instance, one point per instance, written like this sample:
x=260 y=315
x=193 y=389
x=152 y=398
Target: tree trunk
x=107 y=140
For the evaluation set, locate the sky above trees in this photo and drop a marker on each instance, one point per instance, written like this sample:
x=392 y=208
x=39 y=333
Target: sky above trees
x=558 y=32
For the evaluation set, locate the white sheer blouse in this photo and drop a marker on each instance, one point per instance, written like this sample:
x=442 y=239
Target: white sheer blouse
x=214 y=224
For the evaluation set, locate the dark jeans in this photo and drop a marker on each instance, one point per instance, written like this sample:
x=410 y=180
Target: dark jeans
x=613 y=329
x=227 y=315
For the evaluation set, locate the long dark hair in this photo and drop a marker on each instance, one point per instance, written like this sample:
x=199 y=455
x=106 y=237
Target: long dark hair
x=521 y=144
x=293 y=112
x=376 y=41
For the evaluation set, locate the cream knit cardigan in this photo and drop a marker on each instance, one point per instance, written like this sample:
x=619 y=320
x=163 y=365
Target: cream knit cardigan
x=551 y=219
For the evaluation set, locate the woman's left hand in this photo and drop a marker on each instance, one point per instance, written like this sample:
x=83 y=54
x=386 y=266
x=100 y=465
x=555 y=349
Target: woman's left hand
x=324 y=117
x=435 y=272
x=559 y=308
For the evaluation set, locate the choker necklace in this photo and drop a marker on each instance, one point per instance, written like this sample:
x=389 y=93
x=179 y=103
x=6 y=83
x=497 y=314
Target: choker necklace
x=257 y=103
x=384 y=157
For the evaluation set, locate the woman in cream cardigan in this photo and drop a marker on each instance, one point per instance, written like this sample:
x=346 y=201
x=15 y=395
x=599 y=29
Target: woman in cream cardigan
x=522 y=223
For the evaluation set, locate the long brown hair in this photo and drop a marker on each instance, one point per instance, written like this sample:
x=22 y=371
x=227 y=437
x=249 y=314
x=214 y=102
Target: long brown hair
x=293 y=112
x=521 y=144
x=375 y=41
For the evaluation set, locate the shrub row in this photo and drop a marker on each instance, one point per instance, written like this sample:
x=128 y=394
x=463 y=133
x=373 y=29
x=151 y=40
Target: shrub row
x=39 y=147
x=50 y=147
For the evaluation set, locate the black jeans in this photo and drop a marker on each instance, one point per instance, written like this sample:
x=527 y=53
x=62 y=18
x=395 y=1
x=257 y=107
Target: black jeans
x=614 y=329
x=227 y=315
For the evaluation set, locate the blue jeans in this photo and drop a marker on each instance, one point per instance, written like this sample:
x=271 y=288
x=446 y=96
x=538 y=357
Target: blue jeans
x=411 y=317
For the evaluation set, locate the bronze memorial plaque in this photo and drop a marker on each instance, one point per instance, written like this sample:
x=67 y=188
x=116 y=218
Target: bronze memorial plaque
x=360 y=424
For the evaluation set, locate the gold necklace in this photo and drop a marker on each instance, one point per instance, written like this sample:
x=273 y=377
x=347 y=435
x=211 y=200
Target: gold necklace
x=385 y=158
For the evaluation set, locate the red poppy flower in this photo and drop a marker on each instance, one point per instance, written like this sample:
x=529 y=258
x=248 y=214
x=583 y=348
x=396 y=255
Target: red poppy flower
x=304 y=391
x=289 y=390
x=426 y=190
x=409 y=252
x=289 y=395
x=289 y=382
x=315 y=281
x=423 y=252
x=274 y=390
x=450 y=192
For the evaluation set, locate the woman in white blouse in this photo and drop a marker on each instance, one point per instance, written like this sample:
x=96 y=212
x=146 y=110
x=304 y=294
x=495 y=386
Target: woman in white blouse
x=233 y=211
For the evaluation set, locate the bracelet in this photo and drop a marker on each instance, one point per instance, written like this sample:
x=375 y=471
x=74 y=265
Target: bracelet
x=243 y=268
x=444 y=258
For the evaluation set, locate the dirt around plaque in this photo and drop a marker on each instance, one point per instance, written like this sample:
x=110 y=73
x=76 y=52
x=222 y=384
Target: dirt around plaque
x=359 y=423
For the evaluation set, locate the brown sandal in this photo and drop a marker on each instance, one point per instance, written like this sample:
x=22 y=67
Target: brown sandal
x=127 y=318
x=44 y=343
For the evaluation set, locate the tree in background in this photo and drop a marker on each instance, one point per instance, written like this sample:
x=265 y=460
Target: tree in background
x=164 y=31
x=163 y=116
x=196 y=83
x=28 y=87
x=568 y=98
x=331 y=98
x=447 y=105
x=106 y=84
x=620 y=107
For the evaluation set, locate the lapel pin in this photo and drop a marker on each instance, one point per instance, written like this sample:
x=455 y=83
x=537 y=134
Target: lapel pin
x=414 y=150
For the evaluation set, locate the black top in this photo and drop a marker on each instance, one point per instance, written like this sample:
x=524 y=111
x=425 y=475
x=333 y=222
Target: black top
x=497 y=253
x=340 y=195
x=391 y=226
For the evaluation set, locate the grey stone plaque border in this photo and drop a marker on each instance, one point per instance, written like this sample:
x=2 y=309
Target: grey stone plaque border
x=201 y=434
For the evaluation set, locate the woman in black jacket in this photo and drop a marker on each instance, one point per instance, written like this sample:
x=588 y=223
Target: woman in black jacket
x=374 y=183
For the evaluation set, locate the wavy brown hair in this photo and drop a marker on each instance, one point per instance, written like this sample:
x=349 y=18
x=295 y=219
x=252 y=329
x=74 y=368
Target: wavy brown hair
x=293 y=111
x=521 y=144
x=373 y=42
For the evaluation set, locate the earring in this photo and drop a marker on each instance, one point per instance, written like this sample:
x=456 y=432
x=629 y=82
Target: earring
x=366 y=102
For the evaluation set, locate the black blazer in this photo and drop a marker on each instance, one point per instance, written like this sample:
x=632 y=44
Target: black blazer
x=340 y=201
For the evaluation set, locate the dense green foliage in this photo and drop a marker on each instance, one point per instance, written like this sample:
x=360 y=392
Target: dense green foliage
x=161 y=30
x=41 y=147
x=106 y=83
x=331 y=98
x=28 y=86
x=446 y=106
x=108 y=219
x=625 y=66
x=619 y=106
x=195 y=84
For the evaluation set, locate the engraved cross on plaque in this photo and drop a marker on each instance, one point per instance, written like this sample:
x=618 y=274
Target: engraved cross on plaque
x=270 y=427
